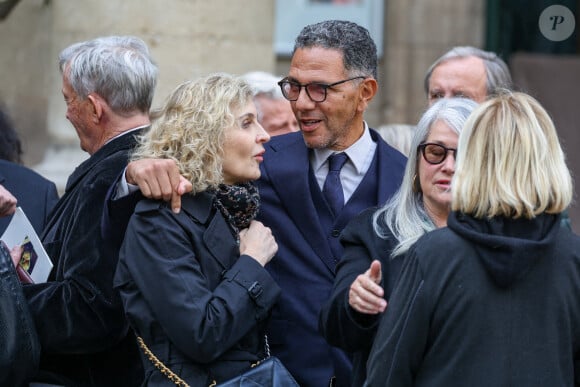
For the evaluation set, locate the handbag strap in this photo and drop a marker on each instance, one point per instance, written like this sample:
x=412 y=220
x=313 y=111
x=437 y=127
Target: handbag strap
x=266 y=347
x=172 y=375
x=160 y=366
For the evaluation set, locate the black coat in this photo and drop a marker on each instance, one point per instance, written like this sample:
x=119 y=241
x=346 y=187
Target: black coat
x=80 y=320
x=19 y=346
x=341 y=325
x=484 y=303
x=199 y=306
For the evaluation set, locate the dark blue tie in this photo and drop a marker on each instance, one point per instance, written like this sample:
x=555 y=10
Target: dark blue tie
x=332 y=189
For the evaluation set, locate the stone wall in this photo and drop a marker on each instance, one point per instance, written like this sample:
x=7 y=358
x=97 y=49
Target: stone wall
x=189 y=38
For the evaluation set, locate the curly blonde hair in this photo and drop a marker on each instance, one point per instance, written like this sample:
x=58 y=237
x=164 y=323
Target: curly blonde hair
x=190 y=127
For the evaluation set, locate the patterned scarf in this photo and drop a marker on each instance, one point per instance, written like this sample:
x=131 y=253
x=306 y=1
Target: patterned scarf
x=239 y=204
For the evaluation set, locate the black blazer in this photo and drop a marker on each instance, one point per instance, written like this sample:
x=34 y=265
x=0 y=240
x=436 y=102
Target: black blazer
x=341 y=325
x=35 y=194
x=199 y=306
x=80 y=321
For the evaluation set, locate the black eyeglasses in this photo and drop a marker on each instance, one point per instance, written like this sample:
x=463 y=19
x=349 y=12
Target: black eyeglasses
x=316 y=91
x=435 y=153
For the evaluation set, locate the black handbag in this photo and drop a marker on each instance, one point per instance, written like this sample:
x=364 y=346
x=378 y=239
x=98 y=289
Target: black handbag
x=269 y=372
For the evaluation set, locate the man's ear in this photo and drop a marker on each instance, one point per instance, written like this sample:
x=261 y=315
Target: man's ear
x=96 y=103
x=368 y=89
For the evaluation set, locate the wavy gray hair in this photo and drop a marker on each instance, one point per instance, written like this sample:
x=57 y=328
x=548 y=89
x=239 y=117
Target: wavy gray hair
x=117 y=68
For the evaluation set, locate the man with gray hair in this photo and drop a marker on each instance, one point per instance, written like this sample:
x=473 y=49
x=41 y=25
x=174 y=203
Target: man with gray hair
x=274 y=112
x=108 y=85
x=466 y=71
x=330 y=83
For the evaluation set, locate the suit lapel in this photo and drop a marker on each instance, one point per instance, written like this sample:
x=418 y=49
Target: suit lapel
x=390 y=169
x=288 y=168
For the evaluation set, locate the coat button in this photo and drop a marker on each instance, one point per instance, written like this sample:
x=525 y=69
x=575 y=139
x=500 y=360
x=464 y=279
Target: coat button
x=335 y=233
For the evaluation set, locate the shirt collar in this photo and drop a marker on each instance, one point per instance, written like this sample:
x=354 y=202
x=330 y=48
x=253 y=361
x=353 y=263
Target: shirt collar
x=127 y=131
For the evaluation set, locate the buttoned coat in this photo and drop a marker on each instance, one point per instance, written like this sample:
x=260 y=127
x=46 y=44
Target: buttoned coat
x=309 y=248
x=340 y=324
x=199 y=306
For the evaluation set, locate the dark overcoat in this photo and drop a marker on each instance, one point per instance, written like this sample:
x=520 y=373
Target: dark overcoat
x=340 y=324
x=484 y=302
x=79 y=317
x=198 y=305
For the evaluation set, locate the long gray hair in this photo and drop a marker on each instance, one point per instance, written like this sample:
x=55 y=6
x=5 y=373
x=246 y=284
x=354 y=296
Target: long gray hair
x=404 y=214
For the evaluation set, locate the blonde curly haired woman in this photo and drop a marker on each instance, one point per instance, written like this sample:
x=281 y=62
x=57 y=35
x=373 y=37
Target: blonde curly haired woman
x=193 y=284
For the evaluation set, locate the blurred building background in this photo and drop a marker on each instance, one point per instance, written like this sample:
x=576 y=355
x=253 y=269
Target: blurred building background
x=190 y=38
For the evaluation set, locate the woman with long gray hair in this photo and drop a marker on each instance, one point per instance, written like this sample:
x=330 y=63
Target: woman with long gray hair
x=377 y=239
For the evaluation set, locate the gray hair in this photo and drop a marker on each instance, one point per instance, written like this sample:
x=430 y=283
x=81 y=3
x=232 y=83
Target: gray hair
x=497 y=71
x=263 y=83
x=117 y=68
x=354 y=41
x=404 y=214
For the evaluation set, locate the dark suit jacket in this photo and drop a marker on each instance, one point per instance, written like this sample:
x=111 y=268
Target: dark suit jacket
x=198 y=305
x=309 y=248
x=35 y=194
x=80 y=319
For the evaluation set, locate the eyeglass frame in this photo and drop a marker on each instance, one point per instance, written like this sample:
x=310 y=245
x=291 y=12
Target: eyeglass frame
x=324 y=86
x=421 y=148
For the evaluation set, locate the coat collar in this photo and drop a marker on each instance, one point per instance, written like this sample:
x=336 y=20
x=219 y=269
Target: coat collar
x=121 y=143
x=198 y=206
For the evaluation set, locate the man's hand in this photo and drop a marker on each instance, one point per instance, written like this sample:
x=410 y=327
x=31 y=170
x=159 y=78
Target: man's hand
x=158 y=179
x=366 y=294
x=7 y=202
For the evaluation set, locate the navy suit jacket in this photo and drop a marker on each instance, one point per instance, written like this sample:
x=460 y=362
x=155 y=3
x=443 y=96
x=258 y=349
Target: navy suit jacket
x=35 y=194
x=308 y=250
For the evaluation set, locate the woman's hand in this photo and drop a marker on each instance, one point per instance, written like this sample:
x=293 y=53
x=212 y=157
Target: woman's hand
x=366 y=294
x=258 y=242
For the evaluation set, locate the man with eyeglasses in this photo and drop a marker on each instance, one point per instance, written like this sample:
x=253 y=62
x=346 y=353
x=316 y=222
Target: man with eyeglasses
x=331 y=81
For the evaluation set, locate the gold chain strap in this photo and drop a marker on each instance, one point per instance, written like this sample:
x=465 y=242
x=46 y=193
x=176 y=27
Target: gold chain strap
x=160 y=366
x=171 y=375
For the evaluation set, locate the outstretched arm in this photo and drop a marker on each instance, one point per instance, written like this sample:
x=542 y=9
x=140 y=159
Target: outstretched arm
x=158 y=179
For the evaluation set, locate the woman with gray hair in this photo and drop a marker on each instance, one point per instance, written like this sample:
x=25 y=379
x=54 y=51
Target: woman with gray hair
x=377 y=239
x=494 y=298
